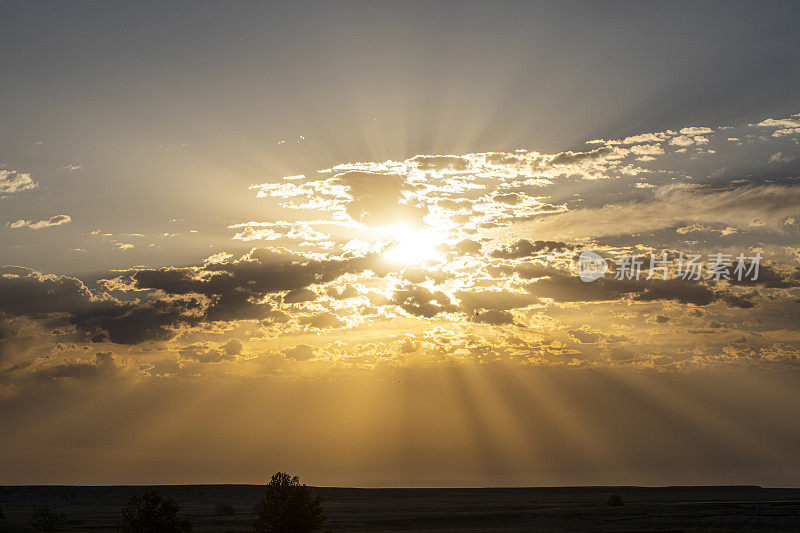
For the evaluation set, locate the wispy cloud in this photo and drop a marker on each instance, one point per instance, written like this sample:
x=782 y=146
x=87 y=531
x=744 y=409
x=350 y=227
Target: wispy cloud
x=57 y=220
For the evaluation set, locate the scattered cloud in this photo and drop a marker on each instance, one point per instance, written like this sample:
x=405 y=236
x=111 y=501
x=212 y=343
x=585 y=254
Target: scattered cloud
x=12 y=181
x=442 y=257
x=56 y=220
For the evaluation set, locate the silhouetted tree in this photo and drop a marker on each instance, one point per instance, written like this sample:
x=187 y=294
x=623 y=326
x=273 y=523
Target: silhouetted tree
x=288 y=507
x=153 y=513
x=45 y=519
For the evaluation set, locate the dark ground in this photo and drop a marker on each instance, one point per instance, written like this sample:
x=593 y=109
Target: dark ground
x=469 y=510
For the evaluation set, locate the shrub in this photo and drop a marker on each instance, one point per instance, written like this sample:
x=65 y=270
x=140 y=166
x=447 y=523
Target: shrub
x=288 y=507
x=224 y=509
x=615 y=500
x=153 y=513
x=45 y=519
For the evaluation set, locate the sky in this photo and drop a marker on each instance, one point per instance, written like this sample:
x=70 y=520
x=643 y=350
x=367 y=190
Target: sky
x=345 y=240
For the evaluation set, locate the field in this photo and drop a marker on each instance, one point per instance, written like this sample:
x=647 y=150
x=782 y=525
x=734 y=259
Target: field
x=468 y=510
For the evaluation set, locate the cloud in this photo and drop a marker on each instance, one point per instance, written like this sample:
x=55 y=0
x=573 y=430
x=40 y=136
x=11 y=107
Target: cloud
x=681 y=140
x=780 y=159
x=494 y=317
x=440 y=162
x=270 y=231
x=471 y=302
x=203 y=353
x=467 y=247
x=322 y=321
x=12 y=182
x=103 y=364
x=503 y=228
x=348 y=291
x=236 y=289
x=525 y=248
x=67 y=301
x=56 y=220
x=647 y=149
x=299 y=295
x=786 y=126
x=575 y=158
x=233 y=347
x=566 y=287
x=563 y=287
x=585 y=337
x=420 y=301
x=696 y=130
x=732 y=206
x=780 y=123
x=378 y=199
x=301 y=352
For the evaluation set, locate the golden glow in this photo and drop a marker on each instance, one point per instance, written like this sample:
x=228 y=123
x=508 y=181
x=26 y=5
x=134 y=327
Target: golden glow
x=412 y=246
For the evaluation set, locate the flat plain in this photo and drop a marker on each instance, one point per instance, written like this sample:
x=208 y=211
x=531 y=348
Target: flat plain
x=744 y=508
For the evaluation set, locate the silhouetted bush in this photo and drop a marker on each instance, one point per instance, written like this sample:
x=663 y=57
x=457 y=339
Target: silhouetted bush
x=45 y=519
x=224 y=509
x=615 y=500
x=153 y=513
x=288 y=507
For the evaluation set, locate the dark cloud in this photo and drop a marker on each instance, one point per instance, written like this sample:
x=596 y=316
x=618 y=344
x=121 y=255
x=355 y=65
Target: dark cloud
x=26 y=292
x=421 y=301
x=138 y=321
x=467 y=247
x=233 y=347
x=348 y=291
x=299 y=296
x=736 y=300
x=769 y=277
x=524 y=248
x=322 y=321
x=103 y=363
x=188 y=296
x=585 y=337
x=494 y=317
x=236 y=289
x=562 y=286
x=675 y=289
x=509 y=198
x=301 y=352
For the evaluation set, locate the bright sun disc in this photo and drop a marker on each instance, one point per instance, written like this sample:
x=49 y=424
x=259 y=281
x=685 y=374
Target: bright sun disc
x=412 y=246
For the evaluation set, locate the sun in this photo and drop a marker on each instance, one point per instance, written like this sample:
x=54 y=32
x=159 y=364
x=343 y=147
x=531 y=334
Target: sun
x=412 y=246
